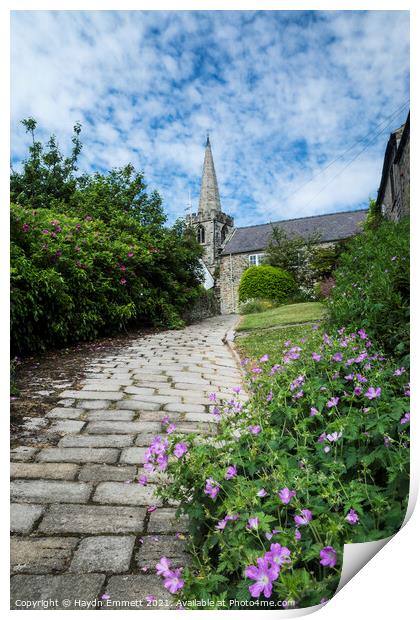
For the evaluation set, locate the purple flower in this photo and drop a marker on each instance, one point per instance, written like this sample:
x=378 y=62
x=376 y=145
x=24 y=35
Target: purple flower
x=180 y=449
x=163 y=567
x=173 y=581
x=212 y=488
x=363 y=335
x=212 y=397
x=275 y=369
x=25 y=227
x=313 y=411
x=269 y=396
x=405 y=418
x=387 y=441
x=263 y=574
x=253 y=523
x=254 y=430
x=231 y=472
x=236 y=389
x=170 y=429
x=165 y=420
x=322 y=437
x=298 y=535
x=221 y=524
x=262 y=493
x=399 y=371
x=337 y=357
x=143 y=480
x=357 y=391
x=373 y=393
x=286 y=495
x=328 y=556
x=334 y=436
x=361 y=378
x=316 y=357
x=304 y=517
x=333 y=402
x=264 y=358
x=256 y=371
x=352 y=517
x=349 y=377
x=278 y=555
x=298 y=394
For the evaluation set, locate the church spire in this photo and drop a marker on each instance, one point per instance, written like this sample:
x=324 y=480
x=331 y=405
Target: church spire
x=209 y=194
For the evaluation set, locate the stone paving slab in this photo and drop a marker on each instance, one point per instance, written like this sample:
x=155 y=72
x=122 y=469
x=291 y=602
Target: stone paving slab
x=68 y=588
x=48 y=491
x=68 y=413
x=109 y=554
x=137 y=588
x=41 y=555
x=23 y=453
x=52 y=471
x=79 y=455
x=23 y=517
x=96 y=441
x=101 y=473
x=126 y=494
x=90 y=519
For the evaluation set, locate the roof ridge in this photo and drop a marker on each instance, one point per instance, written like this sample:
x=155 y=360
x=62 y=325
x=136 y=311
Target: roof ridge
x=307 y=217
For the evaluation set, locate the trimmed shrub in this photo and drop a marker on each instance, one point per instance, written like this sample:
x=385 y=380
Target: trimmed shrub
x=266 y=282
x=372 y=287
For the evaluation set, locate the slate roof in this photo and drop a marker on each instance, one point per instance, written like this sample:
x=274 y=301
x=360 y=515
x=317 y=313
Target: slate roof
x=329 y=227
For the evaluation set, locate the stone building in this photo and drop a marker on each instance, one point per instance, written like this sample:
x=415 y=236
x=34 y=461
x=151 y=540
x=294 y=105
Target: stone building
x=228 y=251
x=394 y=190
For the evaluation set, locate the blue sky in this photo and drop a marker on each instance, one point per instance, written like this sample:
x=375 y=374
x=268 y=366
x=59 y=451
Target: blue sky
x=282 y=94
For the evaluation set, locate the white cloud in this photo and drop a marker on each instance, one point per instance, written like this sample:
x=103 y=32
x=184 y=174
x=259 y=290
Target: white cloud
x=281 y=93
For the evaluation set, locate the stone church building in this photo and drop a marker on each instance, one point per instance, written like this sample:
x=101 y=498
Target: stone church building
x=228 y=250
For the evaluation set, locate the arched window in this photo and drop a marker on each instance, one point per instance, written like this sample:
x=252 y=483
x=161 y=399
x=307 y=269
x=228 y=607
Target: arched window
x=223 y=233
x=201 y=237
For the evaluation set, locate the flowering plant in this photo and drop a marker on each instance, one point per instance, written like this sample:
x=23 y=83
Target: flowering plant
x=270 y=511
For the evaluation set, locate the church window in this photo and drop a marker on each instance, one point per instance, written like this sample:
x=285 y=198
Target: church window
x=201 y=237
x=255 y=259
x=224 y=233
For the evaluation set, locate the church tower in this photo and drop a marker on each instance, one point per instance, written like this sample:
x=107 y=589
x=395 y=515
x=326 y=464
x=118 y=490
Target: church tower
x=212 y=225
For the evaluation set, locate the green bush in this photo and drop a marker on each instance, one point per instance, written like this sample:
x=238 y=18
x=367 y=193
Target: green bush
x=266 y=282
x=372 y=287
x=90 y=254
x=251 y=306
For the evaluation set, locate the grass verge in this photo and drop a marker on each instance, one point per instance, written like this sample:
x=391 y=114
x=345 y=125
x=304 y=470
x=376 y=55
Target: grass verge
x=283 y=315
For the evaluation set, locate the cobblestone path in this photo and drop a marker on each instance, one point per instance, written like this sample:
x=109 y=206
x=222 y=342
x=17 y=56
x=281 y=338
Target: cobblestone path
x=80 y=526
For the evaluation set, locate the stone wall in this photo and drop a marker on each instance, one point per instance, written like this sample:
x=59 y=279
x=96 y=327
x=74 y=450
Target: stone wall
x=397 y=205
x=204 y=307
x=232 y=267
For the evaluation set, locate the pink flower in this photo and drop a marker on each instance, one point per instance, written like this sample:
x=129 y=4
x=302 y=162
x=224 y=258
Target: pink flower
x=313 y=411
x=264 y=358
x=286 y=495
x=328 y=556
x=236 y=389
x=269 y=396
x=253 y=523
x=212 y=397
x=212 y=488
x=304 y=517
x=143 y=480
x=25 y=227
x=151 y=509
x=180 y=449
x=263 y=574
x=405 y=418
x=298 y=535
x=337 y=357
x=173 y=581
x=254 y=430
x=373 y=393
x=278 y=555
x=352 y=517
x=256 y=371
x=163 y=567
x=45 y=232
x=316 y=357
x=231 y=472
x=130 y=254
x=123 y=281
x=262 y=493
x=170 y=428
x=333 y=402
x=363 y=335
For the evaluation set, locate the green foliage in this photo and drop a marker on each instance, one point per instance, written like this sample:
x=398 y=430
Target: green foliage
x=350 y=454
x=372 y=287
x=325 y=258
x=374 y=216
x=294 y=254
x=256 y=305
x=90 y=254
x=265 y=282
